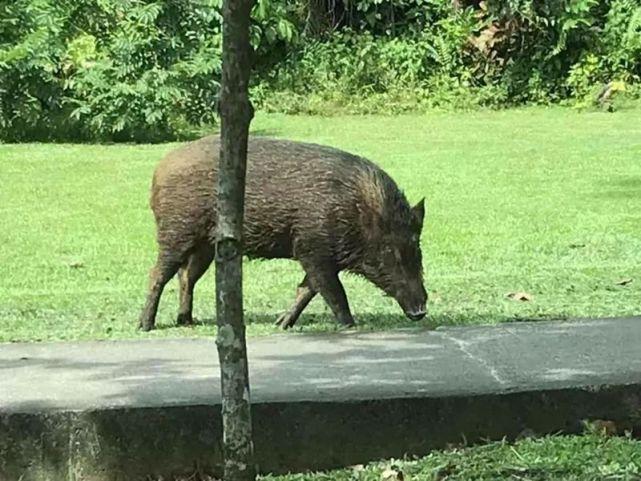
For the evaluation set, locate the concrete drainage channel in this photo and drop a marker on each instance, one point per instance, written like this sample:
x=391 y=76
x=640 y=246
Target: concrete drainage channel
x=111 y=411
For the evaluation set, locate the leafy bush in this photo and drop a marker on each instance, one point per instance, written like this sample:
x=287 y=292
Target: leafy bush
x=480 y=54
x=115 y=69
x=149 y=69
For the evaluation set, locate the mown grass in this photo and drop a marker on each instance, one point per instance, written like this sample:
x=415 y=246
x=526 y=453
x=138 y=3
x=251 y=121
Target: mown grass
x=542 y=201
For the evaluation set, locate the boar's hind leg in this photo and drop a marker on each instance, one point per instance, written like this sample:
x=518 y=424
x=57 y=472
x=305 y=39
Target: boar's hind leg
x=188 y=275
x=163 y=271
x=324 y=279
x=304 y=294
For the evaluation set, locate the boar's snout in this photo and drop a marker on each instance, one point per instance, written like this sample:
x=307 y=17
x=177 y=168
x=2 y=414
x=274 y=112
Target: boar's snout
x=415 y=305
x=416 y=315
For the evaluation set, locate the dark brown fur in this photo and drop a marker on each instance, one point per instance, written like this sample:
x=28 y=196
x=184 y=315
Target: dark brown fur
x=328 y=209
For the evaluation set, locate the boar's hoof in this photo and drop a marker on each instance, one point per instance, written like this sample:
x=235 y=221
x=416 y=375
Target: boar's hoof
x=185 y=319
x=346 y=326
x=286 y=321
x=145 y=326
x=346 y=321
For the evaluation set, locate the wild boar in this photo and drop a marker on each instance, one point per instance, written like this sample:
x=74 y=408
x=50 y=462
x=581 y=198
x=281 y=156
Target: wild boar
x=328 y=209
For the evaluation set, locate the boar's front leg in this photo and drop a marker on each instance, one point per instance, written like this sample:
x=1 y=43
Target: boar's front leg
x=304 y=294
x=324 y=279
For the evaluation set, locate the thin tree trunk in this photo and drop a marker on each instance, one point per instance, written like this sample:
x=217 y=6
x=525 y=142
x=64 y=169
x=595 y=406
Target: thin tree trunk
x=236 y=113
x=316 y=15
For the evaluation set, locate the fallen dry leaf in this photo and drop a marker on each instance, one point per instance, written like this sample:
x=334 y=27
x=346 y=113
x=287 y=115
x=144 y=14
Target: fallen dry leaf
x=520 y=296
x=624 y=282
x=392 y=474
x=486 y=39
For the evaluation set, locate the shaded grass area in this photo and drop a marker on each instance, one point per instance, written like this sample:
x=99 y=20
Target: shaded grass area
x=556 y=458
x=578 y=458
x=542 y=201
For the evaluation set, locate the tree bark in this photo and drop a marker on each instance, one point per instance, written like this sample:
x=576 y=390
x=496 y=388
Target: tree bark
x=236 y=113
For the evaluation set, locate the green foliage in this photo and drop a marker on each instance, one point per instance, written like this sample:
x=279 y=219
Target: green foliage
x=616 y=58
x=115 y=69
x=149 y=69
x=622 y=38
x=494 y=54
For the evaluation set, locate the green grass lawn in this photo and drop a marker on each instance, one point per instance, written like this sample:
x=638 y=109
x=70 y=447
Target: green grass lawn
x=542 y=201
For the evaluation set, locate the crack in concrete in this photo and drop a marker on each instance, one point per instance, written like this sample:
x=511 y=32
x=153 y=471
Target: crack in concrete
x=463 y=346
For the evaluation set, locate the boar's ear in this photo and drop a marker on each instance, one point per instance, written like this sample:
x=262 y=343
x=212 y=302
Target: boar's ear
x=418 y=213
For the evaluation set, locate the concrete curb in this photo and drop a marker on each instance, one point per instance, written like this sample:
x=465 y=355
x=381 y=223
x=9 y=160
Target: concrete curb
x=104 y=442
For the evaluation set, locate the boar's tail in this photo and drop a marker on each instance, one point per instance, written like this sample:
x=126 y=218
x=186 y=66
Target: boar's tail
x=153 y=198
